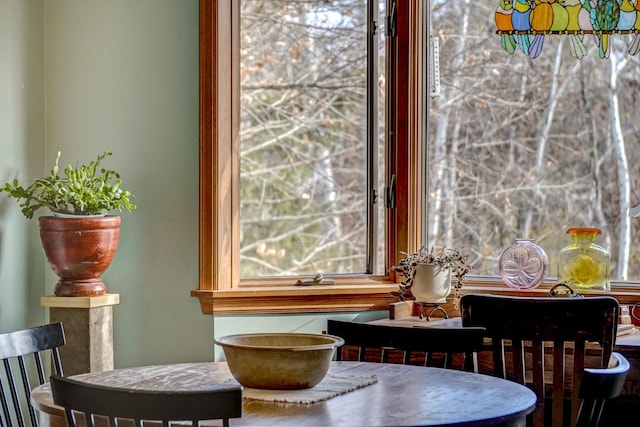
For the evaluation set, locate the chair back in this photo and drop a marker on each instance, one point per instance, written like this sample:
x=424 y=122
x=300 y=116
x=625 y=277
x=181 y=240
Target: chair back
x=22 y=353
x=541 y=342
x=598 y=386
x=428 y=346
x=89 y=402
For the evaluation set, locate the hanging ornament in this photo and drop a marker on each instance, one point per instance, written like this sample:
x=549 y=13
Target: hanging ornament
x=526 y=23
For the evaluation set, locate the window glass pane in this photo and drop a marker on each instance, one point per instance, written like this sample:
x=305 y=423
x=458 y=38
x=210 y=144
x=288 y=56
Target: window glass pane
x=523 y=147
x=303 y=79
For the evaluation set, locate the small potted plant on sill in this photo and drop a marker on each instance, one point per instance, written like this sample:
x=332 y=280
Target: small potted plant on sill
x=426 y=275
x=80 y=238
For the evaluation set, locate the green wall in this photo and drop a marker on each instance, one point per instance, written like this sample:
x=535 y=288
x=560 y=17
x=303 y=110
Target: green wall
x=21 y=142
x=122 y=76
x=85 y=76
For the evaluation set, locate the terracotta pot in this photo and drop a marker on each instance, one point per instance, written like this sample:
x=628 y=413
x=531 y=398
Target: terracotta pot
x=431 y=284
x=79 y=250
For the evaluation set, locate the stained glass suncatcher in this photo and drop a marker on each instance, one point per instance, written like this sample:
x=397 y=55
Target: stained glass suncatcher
x=523 y=24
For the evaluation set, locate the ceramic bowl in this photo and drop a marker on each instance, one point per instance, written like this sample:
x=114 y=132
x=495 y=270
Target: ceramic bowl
x=279 y=361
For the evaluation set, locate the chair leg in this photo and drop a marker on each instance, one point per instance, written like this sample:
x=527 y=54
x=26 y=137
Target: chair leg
x=590 y=413
x=600 y=409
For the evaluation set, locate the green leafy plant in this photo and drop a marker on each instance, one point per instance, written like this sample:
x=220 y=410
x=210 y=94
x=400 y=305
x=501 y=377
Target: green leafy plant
x=445 y=258
x=84 y=190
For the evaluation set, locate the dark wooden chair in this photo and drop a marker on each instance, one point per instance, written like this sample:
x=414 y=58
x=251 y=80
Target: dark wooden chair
x=90 y=402
x=22 y=353
x=427 y=346
x=542 y=342
x=597 y=387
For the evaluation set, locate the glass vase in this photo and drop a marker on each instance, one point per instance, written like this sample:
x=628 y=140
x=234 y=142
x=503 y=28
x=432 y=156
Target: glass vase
x=584 y=265
x=523 y=265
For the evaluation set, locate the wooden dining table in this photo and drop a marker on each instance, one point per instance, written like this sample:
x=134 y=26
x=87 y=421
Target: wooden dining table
x=401 y=395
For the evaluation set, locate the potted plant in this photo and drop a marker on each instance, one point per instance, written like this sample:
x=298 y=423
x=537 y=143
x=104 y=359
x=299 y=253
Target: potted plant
x=80 y=238
x=427 y=273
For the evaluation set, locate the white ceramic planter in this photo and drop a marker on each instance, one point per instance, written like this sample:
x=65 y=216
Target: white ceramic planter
x=431 y=284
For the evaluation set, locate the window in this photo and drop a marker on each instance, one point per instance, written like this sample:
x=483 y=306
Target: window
x=473 y=133
x=311 y=158
x=529 y=148
x=222 y=289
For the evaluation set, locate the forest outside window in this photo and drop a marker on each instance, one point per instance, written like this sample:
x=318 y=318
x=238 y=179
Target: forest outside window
x=528 y=148
x=311 y=137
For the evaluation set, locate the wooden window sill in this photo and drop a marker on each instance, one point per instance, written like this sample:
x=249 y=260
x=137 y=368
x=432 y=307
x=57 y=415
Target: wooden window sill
x=296 y=299
x=625 y=293
x=266 y=298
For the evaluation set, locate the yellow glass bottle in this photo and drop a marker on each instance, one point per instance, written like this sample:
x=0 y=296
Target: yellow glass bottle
x=584 y=265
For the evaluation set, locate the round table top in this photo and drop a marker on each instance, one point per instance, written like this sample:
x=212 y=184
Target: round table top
x=402 y=396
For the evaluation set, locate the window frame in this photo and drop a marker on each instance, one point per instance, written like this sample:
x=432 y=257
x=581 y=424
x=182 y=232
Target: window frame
x=220 y=289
